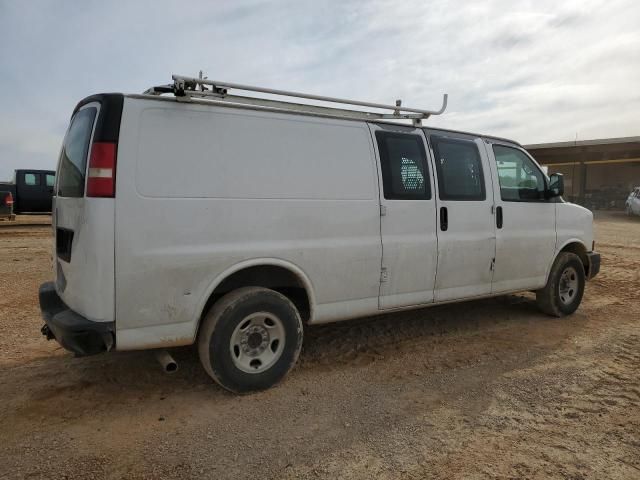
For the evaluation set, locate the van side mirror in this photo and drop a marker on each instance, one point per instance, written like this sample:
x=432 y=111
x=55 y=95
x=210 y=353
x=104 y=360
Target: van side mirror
x=556 y=185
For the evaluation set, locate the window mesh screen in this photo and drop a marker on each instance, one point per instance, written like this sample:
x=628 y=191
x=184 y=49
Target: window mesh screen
x=404 y=166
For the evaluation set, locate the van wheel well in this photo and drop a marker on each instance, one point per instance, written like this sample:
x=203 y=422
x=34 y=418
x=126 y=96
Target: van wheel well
x=268 y=276
x=581 y=251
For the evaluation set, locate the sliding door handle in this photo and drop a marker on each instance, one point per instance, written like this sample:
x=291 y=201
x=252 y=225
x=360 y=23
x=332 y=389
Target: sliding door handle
x=499 y=218
x=444 y=219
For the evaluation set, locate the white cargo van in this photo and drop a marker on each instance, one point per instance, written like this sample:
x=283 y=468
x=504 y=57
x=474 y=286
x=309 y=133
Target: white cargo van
x=233 y=222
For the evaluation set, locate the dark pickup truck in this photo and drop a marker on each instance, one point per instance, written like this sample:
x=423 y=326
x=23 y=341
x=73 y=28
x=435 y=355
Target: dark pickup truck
x=32 y=190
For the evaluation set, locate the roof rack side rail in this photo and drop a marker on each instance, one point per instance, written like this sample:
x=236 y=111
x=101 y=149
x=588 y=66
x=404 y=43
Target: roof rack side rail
x=191 y=87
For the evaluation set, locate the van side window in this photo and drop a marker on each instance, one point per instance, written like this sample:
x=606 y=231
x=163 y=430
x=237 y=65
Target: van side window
x=459 y=169
x=520 y=179
x=405 y=175
x=31 y=179
x=51 y=180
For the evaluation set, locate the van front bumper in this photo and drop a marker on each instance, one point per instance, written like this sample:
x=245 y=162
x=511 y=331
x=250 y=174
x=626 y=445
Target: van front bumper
x=71 y=330
x=594 y=264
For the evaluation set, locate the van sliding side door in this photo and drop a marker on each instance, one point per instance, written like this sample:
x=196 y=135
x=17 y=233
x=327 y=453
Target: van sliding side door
x=466 y=229
x=407 y=217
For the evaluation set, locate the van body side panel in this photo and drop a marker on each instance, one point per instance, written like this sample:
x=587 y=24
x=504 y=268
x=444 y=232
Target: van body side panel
x=201 y=189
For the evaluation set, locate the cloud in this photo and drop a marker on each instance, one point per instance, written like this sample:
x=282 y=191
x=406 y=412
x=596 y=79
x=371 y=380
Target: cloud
x=533 y=71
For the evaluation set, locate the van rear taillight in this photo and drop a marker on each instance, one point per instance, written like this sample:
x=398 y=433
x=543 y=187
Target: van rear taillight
x=8 y=200
x=101 y=178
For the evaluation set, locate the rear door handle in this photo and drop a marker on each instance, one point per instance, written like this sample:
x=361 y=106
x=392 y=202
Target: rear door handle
x=444 y=219
x=499 y=217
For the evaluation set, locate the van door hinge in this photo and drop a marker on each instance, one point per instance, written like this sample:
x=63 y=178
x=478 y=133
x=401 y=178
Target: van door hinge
x=383 y=210
x=384 y=276
x=493 y=264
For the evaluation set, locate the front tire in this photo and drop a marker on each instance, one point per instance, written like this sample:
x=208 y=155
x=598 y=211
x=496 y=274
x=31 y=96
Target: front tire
x=565 y=286
x=250 y=339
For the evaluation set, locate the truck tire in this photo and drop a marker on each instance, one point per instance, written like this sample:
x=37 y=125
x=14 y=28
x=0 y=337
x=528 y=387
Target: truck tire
x=250 y=339
x=565 y=286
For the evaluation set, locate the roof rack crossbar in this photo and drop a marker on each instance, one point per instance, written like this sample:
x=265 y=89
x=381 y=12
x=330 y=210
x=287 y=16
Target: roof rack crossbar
x=186 y=88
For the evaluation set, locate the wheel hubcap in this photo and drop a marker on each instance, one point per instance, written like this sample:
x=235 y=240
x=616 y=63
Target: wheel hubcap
x=257 y=342
x=568 y=285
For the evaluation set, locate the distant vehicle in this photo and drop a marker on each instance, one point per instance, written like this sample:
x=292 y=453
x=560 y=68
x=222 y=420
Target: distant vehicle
x=633 y=202
x=6 y=205
x=32 y=190
x=297 y=215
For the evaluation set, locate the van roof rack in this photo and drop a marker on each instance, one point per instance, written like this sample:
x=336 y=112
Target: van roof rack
x=187 y=88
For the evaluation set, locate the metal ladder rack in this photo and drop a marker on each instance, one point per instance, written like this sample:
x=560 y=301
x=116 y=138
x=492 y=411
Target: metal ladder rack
x=201 y=88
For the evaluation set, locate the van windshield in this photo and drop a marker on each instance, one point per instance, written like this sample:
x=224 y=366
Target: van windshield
x=73 y=157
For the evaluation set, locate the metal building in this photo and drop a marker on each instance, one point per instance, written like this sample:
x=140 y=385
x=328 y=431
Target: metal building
x=598 y=174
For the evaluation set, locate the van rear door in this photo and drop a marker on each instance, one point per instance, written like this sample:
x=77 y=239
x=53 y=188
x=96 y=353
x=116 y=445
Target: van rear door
x=466 y=229
x=408 y=217
x=84 y=208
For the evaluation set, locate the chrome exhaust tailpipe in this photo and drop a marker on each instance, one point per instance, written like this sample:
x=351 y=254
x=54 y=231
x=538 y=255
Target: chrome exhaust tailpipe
x=169 y=365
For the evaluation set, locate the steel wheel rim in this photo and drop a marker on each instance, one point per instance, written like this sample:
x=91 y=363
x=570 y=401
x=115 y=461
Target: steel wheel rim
x=257 y=342
x=568 y=285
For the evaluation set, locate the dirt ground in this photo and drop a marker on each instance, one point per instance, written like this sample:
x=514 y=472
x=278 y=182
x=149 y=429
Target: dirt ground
x=485 y=389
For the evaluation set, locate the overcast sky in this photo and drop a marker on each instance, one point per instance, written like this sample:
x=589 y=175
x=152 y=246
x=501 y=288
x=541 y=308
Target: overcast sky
x=537 y=71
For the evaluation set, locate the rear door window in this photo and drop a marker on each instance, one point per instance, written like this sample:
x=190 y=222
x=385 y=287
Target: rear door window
x=459 y=169
x=51 y=180
x=31 y=179
x=405 y=175
x=73 y=157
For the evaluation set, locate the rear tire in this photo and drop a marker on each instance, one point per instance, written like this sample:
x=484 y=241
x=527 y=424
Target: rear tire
x=565 y=286
x=250 y=339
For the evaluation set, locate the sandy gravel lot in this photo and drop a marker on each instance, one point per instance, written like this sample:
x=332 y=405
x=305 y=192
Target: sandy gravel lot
x=485 y=389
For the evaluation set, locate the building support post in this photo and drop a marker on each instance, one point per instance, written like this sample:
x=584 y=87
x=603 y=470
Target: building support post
x=583 y=183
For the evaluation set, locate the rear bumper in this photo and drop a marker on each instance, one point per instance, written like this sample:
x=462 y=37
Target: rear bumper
x=71 y=330
x=594 y=264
